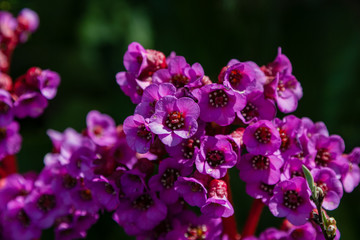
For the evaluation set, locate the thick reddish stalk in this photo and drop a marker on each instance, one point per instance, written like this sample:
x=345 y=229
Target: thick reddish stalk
x=229 y=224
x=8 y=166
x=253 y=218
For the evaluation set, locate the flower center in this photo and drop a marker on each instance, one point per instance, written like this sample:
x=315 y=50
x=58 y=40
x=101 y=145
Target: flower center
x=215 y=158
x=143 y=202
x=86 y=194
x=267 y=188
x=189 y=147
x=109 y=188
x=249 y=112
x=297 y=173
x=263 y=135
x=69 y=182
x=260 y=162
x=2 y=133
x=46 y=202
x=281 y=86
x=98 y=130
x=323 y=157
x=4 y=108
x=235 y=77
x=23 y=218
x=179 y=80
x=285 y=140
x=292 y=199
x=143 y=132
x=196 y=232
x=218 y=98
x=169 y=177
x=175 y=120
x=195 y=187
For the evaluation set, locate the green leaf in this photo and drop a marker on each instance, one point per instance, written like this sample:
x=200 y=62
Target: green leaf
x=310 y=181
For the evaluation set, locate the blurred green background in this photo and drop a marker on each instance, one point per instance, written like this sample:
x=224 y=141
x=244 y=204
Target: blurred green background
x=85 y=41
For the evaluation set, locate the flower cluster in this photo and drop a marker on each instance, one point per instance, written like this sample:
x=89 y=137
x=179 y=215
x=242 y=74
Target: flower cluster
x=28 y=95
x=174 y=153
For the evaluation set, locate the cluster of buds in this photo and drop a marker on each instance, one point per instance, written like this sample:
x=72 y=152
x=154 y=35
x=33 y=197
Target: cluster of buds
x=173 y=155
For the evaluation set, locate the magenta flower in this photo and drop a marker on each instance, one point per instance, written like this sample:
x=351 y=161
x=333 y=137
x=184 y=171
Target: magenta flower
x=151 y=95
x=292 y=200
x=101 y=128
x=303 y=232
x=192 y=190
x=215 y=157
x=260 y=190
x=257 y=108
x=262 y=138
x=215 y=207
x=10 y=140
x=219 y=103
x=6 y=108
x=31 y=104
x=48 y=83
x=255 y=168
x=135 y=58
x=351 y=177
x=331 y=186
x=273 y=234
x=174 y=119
x=138 y=134
x=169 y=171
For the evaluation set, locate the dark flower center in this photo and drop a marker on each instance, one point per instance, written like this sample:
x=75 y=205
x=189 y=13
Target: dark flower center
x=139 y=59
x=235 y=77
x=139 y=90
x=215 y=158
x=4 y=108
x=263 y=135
x=69 y=182
x=196 y=232
x=323 y=157
x=195 y=187
x=292 y=199
x=2 y=133
x=179 y=80
x=46 y=202
x=143 y=202
x=267 y=188
x=98 y=130
x=143 y=132
x=281 y=86
x=297 y=173
x=297 y=234
x=169 y=177
x=23 y=218
x=260 y=162
x=86 y=194
x=109 y=188
x=189 y=147
x=175 y=120
x=218 y=98
x=285 y=140
x=249 y=112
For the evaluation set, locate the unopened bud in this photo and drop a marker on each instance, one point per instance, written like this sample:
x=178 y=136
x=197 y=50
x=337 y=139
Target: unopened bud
x=217 y=188
x=331 y=221
x=331 y=231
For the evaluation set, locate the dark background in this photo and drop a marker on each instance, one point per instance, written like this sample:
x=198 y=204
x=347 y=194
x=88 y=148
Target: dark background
x=84 y=41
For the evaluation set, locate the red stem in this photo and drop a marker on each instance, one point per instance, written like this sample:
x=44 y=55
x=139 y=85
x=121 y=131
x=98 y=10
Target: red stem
x=8 y=166
x=229 y=224
x=253 y=218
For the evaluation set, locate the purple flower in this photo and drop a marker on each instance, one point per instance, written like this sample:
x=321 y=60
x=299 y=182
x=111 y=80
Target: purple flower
x=142 y=213
x=6 y=108
x=292 y=168
x=257 y=108
x=135 y=58
x=169 y=171
x=219 y=103
x=132 y=183
x=104 y=192
x=292 y=200
x=29 y=17
x=262 y=138
x=101 y=128
x=273 y=234
x=351 y=177
x=174 y=119
x=260 y=190
x=10 y=140
x=48 y=83
x=192 y=190
x=31 y=104
x=255 y=168
x=17 y=223
x=151 y=95
x=81 y=163
x=215 y=207
x=138 y=134
x=43 y=205
x=131 y=86
x=281 y=64
x=179 y=73
x=84 y=198
x=325 y=178
x=303 y=232
x=215 y=157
